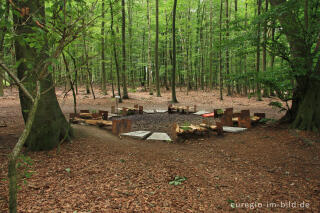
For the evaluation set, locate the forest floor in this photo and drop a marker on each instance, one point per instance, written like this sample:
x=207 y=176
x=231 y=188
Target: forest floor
x=265 y=167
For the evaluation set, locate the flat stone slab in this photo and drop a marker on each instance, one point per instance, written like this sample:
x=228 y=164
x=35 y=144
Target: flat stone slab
x=149 y=111
x=201 y=112
x=161 y=110
x=113 y=115
x=159 y=136
x=137 y=134
x=233 y=129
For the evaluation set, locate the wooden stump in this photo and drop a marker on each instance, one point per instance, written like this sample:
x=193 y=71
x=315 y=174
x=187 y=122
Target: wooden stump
x=116 y=125
x=219 y=128
x=103 y=114
x=244 y=119
x=227 y=117
x=175 y=131
x=140 y=110
x=125 y=126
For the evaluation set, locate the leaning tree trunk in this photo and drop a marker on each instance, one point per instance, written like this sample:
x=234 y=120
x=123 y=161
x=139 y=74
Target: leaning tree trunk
x=50 y=125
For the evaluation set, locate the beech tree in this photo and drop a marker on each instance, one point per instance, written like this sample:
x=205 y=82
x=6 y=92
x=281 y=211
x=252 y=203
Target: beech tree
x=303 y=57
x=49 y=126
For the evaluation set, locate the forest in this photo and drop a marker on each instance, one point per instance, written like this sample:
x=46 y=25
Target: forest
x=233 y=84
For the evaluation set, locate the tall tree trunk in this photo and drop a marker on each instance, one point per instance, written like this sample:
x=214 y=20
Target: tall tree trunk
x=157 y=50
x=227 y=50
x=3 y=31
x=258 y=53
x=174 y=61
x=273 y=31
x=149 y=50
x=103 y=63
x=167 y=50
x=124 y=61
x=115 y=52
x=264 y=51
x=130 y=51
x=111 y=73
x=188 y=48
x=245 y=86
x=220 y=51
x=211 y=47
x=87 y=73
x=50 y=125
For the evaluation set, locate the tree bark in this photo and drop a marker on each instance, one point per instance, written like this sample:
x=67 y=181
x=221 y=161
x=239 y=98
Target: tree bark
x=304 y=113
x=211 y=48
x=258 y=54
x=115 y=55
x=130 y=51
x=220 y=51
x=149 y=67
x=49 y=125
x=264 y=52
x=245 y=86
x=157 y=50
x=124 y=61
x=227 y=50
x=12 y=167
x=173 y=80
x=103 y=63
x=3 y=31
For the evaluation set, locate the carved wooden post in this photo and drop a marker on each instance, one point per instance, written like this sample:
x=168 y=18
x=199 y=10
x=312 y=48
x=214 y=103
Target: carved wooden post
x=244 y=119
x=116 y=127
x=227 y=117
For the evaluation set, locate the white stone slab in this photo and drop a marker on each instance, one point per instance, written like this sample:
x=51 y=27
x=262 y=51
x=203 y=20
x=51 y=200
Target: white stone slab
x=161 y=110
x=113 y=115
x=137 y=134
x=158 y=136
x=149 y=111
x=201 y=112
x=233 y=129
